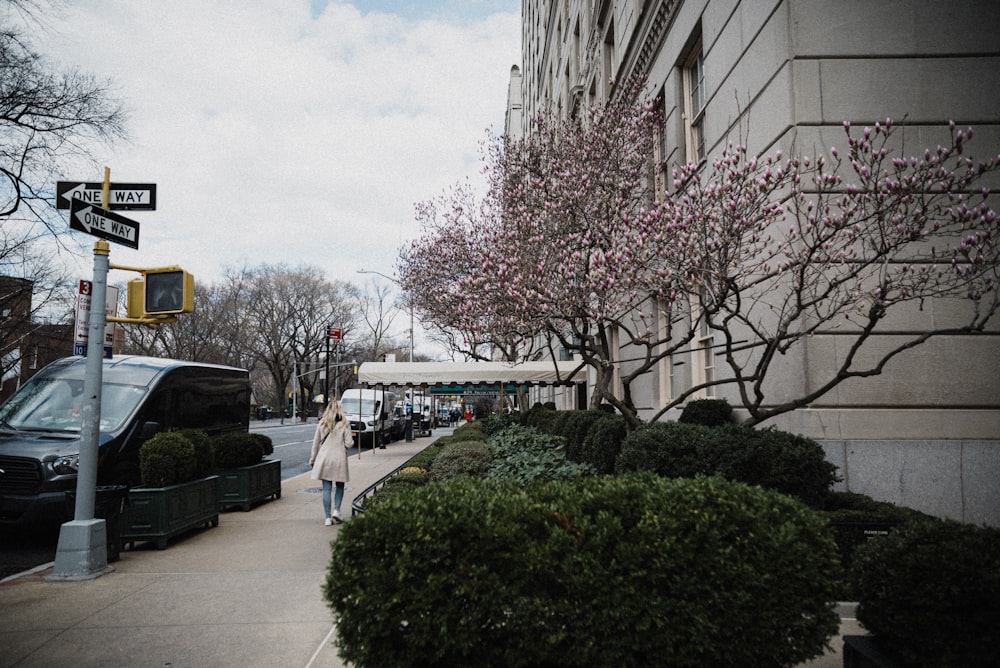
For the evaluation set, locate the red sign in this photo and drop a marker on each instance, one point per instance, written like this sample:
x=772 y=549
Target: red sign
x=335 y=333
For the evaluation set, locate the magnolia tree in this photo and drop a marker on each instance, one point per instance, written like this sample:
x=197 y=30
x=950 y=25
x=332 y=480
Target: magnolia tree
x=779 y=250
x=760 y=252
x=562 y=247
x=446 y=282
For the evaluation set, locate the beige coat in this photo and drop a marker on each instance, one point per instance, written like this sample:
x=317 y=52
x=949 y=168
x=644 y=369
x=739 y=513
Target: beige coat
x=329 y=453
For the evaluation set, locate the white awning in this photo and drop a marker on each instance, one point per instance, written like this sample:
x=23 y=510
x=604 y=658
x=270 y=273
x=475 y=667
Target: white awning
x=471 y=373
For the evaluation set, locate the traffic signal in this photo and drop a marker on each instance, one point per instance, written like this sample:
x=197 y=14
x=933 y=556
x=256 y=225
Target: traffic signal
x=164 y=291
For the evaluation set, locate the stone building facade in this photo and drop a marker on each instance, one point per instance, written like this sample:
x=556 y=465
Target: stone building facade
x=787 y=74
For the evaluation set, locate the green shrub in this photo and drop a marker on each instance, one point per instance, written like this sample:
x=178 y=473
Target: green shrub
x=930 y=593
x=773 y=459
x=524 y=454
x=465 y=458
x=204 y=451
x=540 y=416
x=574 y=427
x=707 y=412
x=470 y=431
x=168 y=458
x=398 y=484
x=236 y=449
x=603 y=571
x=499 y=422
x=425 y=458
x=669 y=449
x=854 y=520
x=266 y=444
x=603 y=442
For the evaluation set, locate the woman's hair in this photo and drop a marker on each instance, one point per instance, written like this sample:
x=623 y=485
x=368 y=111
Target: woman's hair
x=333 y=414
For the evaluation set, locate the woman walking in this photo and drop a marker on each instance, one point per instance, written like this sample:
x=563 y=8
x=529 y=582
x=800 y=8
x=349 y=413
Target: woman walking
x=329 y=457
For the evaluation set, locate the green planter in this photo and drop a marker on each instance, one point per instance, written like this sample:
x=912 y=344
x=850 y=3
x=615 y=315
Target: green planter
x=160 y=513
x=247 y=485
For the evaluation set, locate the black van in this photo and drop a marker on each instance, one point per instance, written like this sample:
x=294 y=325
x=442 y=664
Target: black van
x=140 y=396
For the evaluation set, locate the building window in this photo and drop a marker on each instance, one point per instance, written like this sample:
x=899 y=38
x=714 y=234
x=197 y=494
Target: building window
x=660 y=149
x=694 y=95
x=703 y=352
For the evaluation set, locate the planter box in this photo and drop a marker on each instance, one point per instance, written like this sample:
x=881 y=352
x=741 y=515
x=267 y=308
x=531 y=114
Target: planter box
x=160 y=513
x=247 y=485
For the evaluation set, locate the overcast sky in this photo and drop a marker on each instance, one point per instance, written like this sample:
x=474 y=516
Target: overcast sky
x=290 y=131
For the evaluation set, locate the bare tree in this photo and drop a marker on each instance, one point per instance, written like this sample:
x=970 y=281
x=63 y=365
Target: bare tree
x=378 y=311
x=46 y=118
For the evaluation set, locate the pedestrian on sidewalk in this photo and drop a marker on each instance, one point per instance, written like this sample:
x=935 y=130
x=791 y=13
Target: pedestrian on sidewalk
x=329 y=457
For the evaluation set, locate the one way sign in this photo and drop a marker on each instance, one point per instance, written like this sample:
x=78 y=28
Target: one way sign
x=123 y=196
x=102 y=223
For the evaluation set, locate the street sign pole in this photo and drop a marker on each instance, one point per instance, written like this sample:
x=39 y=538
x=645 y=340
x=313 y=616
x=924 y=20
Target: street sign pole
x=82 y=552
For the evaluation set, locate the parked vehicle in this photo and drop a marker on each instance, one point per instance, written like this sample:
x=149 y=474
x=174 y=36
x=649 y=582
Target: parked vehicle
x=140 y=396
x=371 y=415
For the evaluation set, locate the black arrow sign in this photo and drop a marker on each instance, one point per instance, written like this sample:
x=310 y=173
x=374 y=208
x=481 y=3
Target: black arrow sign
x=102 y=223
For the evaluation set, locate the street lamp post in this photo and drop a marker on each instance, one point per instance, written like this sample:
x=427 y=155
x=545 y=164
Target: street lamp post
x=409 y=305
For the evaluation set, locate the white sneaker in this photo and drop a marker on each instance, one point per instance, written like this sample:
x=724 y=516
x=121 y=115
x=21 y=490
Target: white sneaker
x=328 y=521
x=336 y=517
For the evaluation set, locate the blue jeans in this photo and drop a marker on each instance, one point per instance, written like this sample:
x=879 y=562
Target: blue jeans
x=337 y=499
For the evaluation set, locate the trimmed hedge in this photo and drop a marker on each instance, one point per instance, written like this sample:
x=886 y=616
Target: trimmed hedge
x=930 y=593
x=851 y=514
x=603 y=442
x=524 y=454
x=168 y=458
x=603 y=571
x=773 y=459
x=707 y=413
x=465 y=458
x=236 y=449
x=575 y=427
x=204 y=451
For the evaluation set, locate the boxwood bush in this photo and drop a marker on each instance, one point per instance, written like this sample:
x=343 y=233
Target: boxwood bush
x=707 y=412
x=774 y=459
x=625 y=571
x=856 y=518
x=204 y=451
x=930 y=593
x=168 y=458
x=575 y=427
x=236 y=449
x=465 y=458
x=603 y=442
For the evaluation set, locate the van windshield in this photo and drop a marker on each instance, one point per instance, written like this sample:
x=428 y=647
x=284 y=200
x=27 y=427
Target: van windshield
x=368 y=406
x=56 y=404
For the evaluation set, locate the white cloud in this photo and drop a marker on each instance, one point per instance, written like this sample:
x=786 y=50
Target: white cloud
x=289 y=131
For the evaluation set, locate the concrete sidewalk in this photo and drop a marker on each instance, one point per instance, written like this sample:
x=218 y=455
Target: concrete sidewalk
x=245 y=593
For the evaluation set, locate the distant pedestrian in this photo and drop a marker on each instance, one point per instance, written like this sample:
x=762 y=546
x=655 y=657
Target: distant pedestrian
x=329 y=457
x=468 y=415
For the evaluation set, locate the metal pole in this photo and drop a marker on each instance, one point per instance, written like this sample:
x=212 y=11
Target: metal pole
x=336 y=379
x=326 y=375
x=295 y=390
x=82 y=549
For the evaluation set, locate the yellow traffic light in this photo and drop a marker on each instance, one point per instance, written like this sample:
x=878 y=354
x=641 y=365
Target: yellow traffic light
x=162 y=291
x=169 y=290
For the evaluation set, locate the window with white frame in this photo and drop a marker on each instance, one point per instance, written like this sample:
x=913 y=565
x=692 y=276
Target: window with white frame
x=703 y=354
x=694 y=103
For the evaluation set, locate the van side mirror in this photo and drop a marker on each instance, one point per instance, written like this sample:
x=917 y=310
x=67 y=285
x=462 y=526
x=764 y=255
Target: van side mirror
x=149 y=430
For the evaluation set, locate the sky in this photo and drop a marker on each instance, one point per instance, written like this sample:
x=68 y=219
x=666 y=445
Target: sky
x=300 y=132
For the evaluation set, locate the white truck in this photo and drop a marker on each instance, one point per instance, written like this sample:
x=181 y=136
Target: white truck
x=371 y=414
